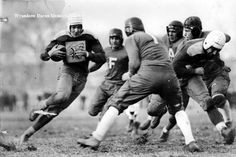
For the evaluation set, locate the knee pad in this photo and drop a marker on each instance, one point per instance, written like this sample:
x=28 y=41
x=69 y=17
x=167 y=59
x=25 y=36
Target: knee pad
x=156 y=109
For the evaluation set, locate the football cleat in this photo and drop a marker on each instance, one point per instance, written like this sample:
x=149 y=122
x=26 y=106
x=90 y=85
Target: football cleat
x=90 y=142
x=6 y=143
x=164 y=136
x=192 y=147
x=229 y=134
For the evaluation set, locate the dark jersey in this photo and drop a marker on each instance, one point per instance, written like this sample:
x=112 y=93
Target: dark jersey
x=151 y=52
x=117 y=61
x=86 y=42
x=192 y=55
x=171 y=47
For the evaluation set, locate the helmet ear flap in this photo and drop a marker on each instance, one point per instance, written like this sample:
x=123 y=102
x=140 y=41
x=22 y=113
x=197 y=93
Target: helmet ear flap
x=196 y=32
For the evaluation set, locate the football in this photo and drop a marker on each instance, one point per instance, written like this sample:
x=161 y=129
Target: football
x=55 y=50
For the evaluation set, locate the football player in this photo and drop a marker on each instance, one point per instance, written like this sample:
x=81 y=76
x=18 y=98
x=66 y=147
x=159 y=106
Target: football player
x=193 y=30
x=117 y=61
x=150 y=72
x=75 y=47
x=206 y=78
x=171 y=41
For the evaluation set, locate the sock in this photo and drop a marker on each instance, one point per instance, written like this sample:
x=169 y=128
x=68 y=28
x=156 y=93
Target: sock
x=149 y=117
x=29 y=132
x=171 y=123
x=215 y=116
x=42 y=121
x=220 y=126
x=106 y=123
x=164 y=129
x=184 y=125
x=227 y=112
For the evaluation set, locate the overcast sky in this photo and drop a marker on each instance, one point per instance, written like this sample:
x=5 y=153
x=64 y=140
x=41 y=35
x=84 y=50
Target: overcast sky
x=102 y=15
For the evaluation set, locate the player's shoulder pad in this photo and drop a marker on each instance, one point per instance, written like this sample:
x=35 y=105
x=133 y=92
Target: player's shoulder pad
x=60 y=34
x=195 y=49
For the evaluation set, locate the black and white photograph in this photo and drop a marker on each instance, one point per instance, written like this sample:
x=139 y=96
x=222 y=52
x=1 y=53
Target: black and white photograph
x=117 y=78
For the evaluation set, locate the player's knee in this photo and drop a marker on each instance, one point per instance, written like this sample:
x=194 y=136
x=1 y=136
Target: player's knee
x=156 y=109
x=173 y=109
x=93 y=112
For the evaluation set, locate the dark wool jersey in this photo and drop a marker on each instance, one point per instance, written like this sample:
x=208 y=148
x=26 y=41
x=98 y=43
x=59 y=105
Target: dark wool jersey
x=117 y=61
x=85 y=41
x=192 y=54
x=171 y=47
x=151 y=52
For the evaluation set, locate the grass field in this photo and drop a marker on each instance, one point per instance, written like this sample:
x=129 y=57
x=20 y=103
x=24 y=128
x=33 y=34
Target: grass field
x=59 y=137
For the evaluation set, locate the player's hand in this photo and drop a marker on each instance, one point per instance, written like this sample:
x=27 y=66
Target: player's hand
x=45 y=56
x=126 y=76
x=58 y=54
x=199 y=71
x=82 y=53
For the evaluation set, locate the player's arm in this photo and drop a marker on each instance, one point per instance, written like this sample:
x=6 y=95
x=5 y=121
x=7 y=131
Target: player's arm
x=180 y=63
x=45 y=56
x=99 y=55
x=133 y=54
x=95 y=66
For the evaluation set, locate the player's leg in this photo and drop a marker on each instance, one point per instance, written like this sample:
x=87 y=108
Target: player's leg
x=172 y=121
x=62 y=94
x=199 y=92
x=98 y=101
x=45 y=119
x=65 y=85
x=156 y=109
x=219 y=87
x=131 y=92
x=175 y=108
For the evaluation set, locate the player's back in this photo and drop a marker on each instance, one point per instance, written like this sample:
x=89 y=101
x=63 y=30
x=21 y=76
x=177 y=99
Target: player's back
x=151 y=52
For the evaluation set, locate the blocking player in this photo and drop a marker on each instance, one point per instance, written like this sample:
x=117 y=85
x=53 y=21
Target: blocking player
x=196 y=61
x=193 y=30
x=150 y=72
x=171 y=41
